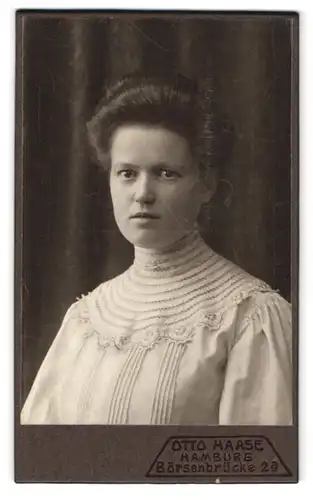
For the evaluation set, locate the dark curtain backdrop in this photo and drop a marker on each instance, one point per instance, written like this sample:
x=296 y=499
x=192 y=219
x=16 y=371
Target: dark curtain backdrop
x=70 y=241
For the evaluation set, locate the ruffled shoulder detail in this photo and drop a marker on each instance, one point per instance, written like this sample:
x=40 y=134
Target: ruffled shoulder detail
x=260 y=310
x=247 y=289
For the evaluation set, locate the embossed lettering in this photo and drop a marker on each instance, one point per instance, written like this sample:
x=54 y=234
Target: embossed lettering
x=201 y=445
x=176 y=445
x=218 y=443
x=258 y=445
x=160 y=466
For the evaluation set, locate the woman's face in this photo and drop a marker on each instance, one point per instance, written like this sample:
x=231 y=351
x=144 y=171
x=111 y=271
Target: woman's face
x=155 y=187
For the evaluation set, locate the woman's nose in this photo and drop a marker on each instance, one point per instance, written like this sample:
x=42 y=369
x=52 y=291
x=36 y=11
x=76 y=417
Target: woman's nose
x=144 y=192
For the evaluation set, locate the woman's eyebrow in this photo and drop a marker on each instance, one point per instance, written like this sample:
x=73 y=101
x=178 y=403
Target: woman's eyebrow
x=152 y=167
x=126 y=165
x=168 y=166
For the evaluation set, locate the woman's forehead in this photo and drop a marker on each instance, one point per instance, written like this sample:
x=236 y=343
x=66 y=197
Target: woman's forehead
x=148 y=145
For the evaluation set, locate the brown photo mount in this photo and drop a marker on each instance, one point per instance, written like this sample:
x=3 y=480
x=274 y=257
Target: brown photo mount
x=67 y=242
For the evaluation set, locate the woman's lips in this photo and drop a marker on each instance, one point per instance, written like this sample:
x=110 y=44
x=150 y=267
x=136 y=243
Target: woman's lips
x=145 y=220
x=144 y=216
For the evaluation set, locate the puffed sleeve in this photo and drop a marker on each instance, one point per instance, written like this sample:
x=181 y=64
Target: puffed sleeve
x=41 y=404
x=258 y=380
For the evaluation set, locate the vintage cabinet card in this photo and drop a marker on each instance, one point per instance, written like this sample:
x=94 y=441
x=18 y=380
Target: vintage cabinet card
x=156 y=247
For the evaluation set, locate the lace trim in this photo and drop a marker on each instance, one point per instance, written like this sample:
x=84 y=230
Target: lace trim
x=148 y=337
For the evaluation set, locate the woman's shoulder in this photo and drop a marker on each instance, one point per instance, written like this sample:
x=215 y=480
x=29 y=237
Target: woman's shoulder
x=255 y=301
x=101 y=289
x=87 y=304
x=233 y=285
x=248 y=304
x=238 y=290
x=264 y=306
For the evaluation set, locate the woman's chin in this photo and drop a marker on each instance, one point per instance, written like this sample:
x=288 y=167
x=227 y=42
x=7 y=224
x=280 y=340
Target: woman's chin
x=154 y=240
x=152 y=243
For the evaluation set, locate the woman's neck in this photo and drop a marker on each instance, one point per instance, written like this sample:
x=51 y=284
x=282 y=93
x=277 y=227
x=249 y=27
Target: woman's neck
x=173 y=258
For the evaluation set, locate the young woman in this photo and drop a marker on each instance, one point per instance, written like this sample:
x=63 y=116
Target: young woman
x=183 y=336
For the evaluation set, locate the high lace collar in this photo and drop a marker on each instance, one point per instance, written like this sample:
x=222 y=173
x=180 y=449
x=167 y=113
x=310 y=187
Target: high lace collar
x=189 y=250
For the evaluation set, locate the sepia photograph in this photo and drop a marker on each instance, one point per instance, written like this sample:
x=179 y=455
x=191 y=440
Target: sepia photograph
x=156 y=220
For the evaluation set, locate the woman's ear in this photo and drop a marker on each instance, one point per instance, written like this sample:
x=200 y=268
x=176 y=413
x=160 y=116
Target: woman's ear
x=208 y=184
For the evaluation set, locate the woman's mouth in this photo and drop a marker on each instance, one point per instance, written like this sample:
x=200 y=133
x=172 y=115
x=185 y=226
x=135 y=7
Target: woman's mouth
x=144 y=215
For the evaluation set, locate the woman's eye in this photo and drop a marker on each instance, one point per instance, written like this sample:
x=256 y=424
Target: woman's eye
x=169 y=174
x=126 y=173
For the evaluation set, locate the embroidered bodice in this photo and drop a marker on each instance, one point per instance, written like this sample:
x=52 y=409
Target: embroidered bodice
x=181 y=337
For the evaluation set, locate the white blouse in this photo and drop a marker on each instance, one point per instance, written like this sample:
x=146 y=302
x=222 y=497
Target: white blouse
x=182 y=337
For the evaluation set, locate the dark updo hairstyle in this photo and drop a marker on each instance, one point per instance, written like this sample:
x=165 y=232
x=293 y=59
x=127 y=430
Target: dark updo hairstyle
x=176 y=103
